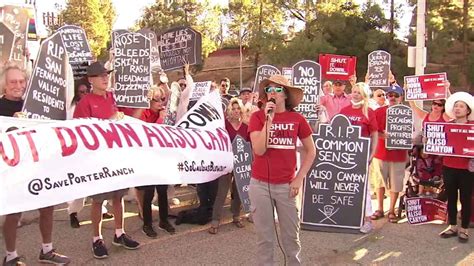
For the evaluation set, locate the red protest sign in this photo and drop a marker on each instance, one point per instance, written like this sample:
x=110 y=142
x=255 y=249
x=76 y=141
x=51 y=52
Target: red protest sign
x=423 y=210
x=337 y=67
x=426 y=87
x=449 y=139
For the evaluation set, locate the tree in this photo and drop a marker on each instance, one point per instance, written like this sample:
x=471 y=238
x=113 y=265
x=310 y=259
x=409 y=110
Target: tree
x=96 y=17
x=199 y=15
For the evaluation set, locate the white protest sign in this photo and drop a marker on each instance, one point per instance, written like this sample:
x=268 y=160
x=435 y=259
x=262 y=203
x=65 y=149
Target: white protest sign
x=200 y=89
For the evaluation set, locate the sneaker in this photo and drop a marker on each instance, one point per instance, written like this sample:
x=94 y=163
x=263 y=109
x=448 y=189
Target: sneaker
x=99 y=249
x=367 y=227
x=149 y=231
x=107 y=215
x=53 y=257
x=167 y=227
x=74 y=221
x=175 y=201
x=125 y=241
x=14 y=262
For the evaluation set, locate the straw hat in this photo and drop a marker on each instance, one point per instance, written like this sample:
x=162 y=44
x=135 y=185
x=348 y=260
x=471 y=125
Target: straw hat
x=459 y=96
x=295 y=94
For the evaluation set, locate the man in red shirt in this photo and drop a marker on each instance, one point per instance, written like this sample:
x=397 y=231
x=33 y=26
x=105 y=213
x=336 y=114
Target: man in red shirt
x=388 y=166
x=100 y=103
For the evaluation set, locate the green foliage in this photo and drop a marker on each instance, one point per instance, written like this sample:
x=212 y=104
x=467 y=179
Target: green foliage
x=199 y=15
x=96 y=17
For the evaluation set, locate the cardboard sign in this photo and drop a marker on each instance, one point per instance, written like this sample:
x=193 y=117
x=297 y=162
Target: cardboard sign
x=337 y=67
x=287 y=72
x=399 y=127
x=178 y=46
x=242 y=168
x=423 y=210
x=449 y=139
x=379 y=69
x=155 y=53
x=16 y=18
x=200 y=89
x=426 y=87
x=335 y=186
x=7 y=39
x=263 y=72
x=77 y=48
x=46 y=90
x=132 y=70
x=307 y=75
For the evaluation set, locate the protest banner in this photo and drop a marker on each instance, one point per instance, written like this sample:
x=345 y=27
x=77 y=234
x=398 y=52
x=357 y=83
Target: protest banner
x=242 y=167
x=40 y=163
x=178 y=46
x=337 y=67
x=287 y=72
x=449 y=139
x=200 y=89
x=46 y=89
x=400 y=125
x=77 y=48
x=379 y=69
x=16 y=18
x=426 y=87
x=155 y=53
x=7 y=39
x=421 y=210
x=263 y=72
x=307 y=75
x=335 y=187
x=132 y=70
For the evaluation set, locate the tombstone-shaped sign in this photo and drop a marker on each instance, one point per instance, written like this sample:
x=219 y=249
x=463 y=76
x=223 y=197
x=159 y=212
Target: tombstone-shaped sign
x=337 y=67
x=7 y=39
x=155 y=53
x=263 y=72
x=116 y=33
x=77 y=48
x=132 y=70
x=379 y=68
x=46 y=91
x=399 y=127
x=242 y=166
x=179 y=46
x=335 y=186
x=16 y=18
x=307 y=75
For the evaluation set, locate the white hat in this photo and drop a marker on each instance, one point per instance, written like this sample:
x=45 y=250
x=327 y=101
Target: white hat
x=460 y=96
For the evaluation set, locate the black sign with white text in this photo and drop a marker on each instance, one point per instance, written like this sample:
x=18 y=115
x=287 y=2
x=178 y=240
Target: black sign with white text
x=242 y=167
x=263 y=72
x=379 y=69
x=399 y=127
x=46 y=91
x=132 y=69
x=16 y=18
x=155 y=53
x=335 y=187
x=307 y=75
x=77 y=48
x=178 y=46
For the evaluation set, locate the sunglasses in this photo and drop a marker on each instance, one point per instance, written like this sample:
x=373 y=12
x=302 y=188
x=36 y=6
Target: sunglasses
x=274 y=89
x=393 y=95
x=224 y=85
x=162 y=99
x=438 y=104
x=182 y=85
x=380 y=95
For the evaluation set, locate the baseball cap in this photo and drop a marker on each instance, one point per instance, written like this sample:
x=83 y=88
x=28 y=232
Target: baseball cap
x=96 y=69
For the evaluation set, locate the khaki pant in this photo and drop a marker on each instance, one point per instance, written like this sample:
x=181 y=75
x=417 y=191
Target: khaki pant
x=288 y=221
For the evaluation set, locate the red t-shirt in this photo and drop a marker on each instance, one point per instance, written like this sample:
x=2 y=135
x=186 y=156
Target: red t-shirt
x=147 y=115
x=97 y=106
x=382 y=153
x=358 y=118
x=242 y=131
x=457 y=162
x=278 y=164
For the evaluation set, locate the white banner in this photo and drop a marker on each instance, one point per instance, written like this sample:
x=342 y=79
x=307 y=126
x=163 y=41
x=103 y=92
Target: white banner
x=54 y=162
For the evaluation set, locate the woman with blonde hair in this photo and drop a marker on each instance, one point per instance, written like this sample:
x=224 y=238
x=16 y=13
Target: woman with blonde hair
x=359 y=114
x=234 y=126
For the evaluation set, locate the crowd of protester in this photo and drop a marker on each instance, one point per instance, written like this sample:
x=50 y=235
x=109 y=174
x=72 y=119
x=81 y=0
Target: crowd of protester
x=253 y=116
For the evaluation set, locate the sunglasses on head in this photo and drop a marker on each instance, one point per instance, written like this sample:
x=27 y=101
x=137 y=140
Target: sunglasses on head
x=270 y=89
x=380 y=95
